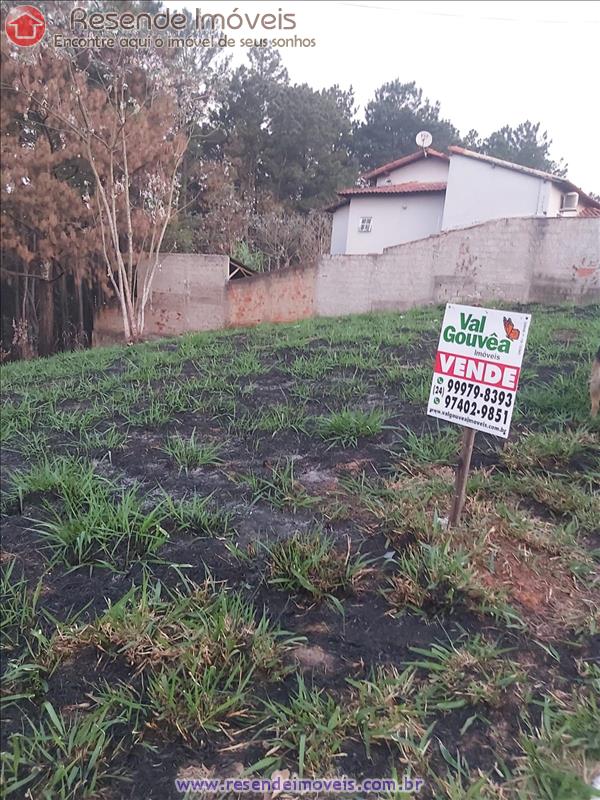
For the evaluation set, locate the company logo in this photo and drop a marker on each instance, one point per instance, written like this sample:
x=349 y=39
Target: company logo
x=472 y=334
x=25 y=25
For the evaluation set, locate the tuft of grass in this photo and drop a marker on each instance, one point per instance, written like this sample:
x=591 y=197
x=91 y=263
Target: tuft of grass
x=563 y=399
x=112 y=438
x=64 y=476
x=345 y=427
x=310 y=563
x=310 y=367
x=150 y=628
x=66 y=759
x=158 y=412
x=431 y=576
x=310 y=729
x=280 y=417
x=277 y=418
x=560 y=750
x=416 y=385
x=190 y=699
x=434 y=577
x=19 y=607
x=191 y=454
x=562 y=498
x=386 y=708
x=244 y=363
x=549 y=449
x=440 y=447
x=466 y=675
x=198 y=516
x=93 y=526
x=280 y=489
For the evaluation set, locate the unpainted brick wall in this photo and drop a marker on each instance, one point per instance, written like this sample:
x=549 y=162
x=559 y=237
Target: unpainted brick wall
x=509 y=260
x=285 y=295
x=188 y=294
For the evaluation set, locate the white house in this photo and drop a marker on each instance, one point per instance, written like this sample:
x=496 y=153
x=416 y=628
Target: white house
x=428 y=192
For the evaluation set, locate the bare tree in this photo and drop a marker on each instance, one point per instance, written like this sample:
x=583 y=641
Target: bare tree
x=289 y=238
x=126 y=123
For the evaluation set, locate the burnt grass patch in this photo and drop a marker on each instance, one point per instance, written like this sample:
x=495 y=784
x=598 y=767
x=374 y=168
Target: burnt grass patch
x=477 y=670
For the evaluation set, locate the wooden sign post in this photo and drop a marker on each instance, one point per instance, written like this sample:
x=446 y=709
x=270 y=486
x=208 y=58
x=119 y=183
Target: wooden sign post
x=462 y=474
x=475 y=379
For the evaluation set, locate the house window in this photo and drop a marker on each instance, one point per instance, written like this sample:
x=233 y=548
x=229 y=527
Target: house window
x=569 y=201
x=365 y=224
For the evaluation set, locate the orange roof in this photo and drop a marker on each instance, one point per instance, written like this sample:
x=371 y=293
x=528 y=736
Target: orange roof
x=588 y=211
x=412 y=187
x=401 y=162
x=395 y=188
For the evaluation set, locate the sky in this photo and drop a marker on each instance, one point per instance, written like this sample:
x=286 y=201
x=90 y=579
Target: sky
x=488 y=63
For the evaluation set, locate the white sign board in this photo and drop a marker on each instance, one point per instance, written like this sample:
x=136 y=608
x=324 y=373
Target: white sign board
x=477 y=367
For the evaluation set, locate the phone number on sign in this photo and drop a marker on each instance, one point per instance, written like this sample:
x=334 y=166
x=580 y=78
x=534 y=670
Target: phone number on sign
x=476 y=401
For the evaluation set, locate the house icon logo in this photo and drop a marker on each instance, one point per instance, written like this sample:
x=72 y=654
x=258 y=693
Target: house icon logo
x=25 y=25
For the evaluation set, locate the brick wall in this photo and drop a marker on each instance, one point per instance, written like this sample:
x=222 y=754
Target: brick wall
x=510 y=260
x=285 y=295
x=188 y=294
x=518 y=260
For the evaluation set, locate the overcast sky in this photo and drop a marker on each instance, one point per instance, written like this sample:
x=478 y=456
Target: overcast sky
x=488 y=63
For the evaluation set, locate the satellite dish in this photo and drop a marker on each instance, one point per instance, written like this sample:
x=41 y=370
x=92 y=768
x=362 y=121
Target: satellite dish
x=423 y=139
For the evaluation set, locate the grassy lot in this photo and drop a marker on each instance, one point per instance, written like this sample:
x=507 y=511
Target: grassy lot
x=225 y=555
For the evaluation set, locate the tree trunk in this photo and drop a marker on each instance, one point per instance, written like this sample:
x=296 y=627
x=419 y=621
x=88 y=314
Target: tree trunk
x=46 y=316
x=80 y=315
x=65 y=332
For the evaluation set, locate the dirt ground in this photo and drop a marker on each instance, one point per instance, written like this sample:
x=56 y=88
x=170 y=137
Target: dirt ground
x=310 y=430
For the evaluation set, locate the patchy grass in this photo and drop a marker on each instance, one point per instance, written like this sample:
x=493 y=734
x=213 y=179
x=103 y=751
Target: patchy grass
x=311 y=564
x=93 y=526
x=229 y=552
x=63 y=758
x=469 y=674
x=280 y=488
x=347 y=426
x=310 y=727
x=189 y=454
x=550 y=449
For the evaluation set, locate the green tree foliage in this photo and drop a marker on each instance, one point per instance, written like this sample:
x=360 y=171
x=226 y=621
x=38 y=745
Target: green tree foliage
x=525 y=144
x=392 y=120
x=399 y=111
x=309 y=152
x=287 y=142
x=242 y=123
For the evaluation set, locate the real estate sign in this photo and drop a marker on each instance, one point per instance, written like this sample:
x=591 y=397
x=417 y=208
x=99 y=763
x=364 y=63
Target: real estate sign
x=477 y=367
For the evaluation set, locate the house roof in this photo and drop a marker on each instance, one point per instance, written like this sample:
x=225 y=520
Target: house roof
x=395 y=188
x=401 y=162
x=589 y=211
x=537 y=173
x=412 y=187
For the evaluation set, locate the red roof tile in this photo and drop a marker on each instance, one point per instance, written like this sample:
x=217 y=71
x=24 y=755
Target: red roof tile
x=588 y=211
x=401 y=162
x=412 y=187
x=394 y=188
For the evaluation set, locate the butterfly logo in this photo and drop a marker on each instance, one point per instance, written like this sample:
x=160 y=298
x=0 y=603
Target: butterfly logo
x=512 y=333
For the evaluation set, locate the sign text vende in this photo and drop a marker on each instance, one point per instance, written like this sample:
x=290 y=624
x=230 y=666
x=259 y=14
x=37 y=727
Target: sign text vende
x=477 y=369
